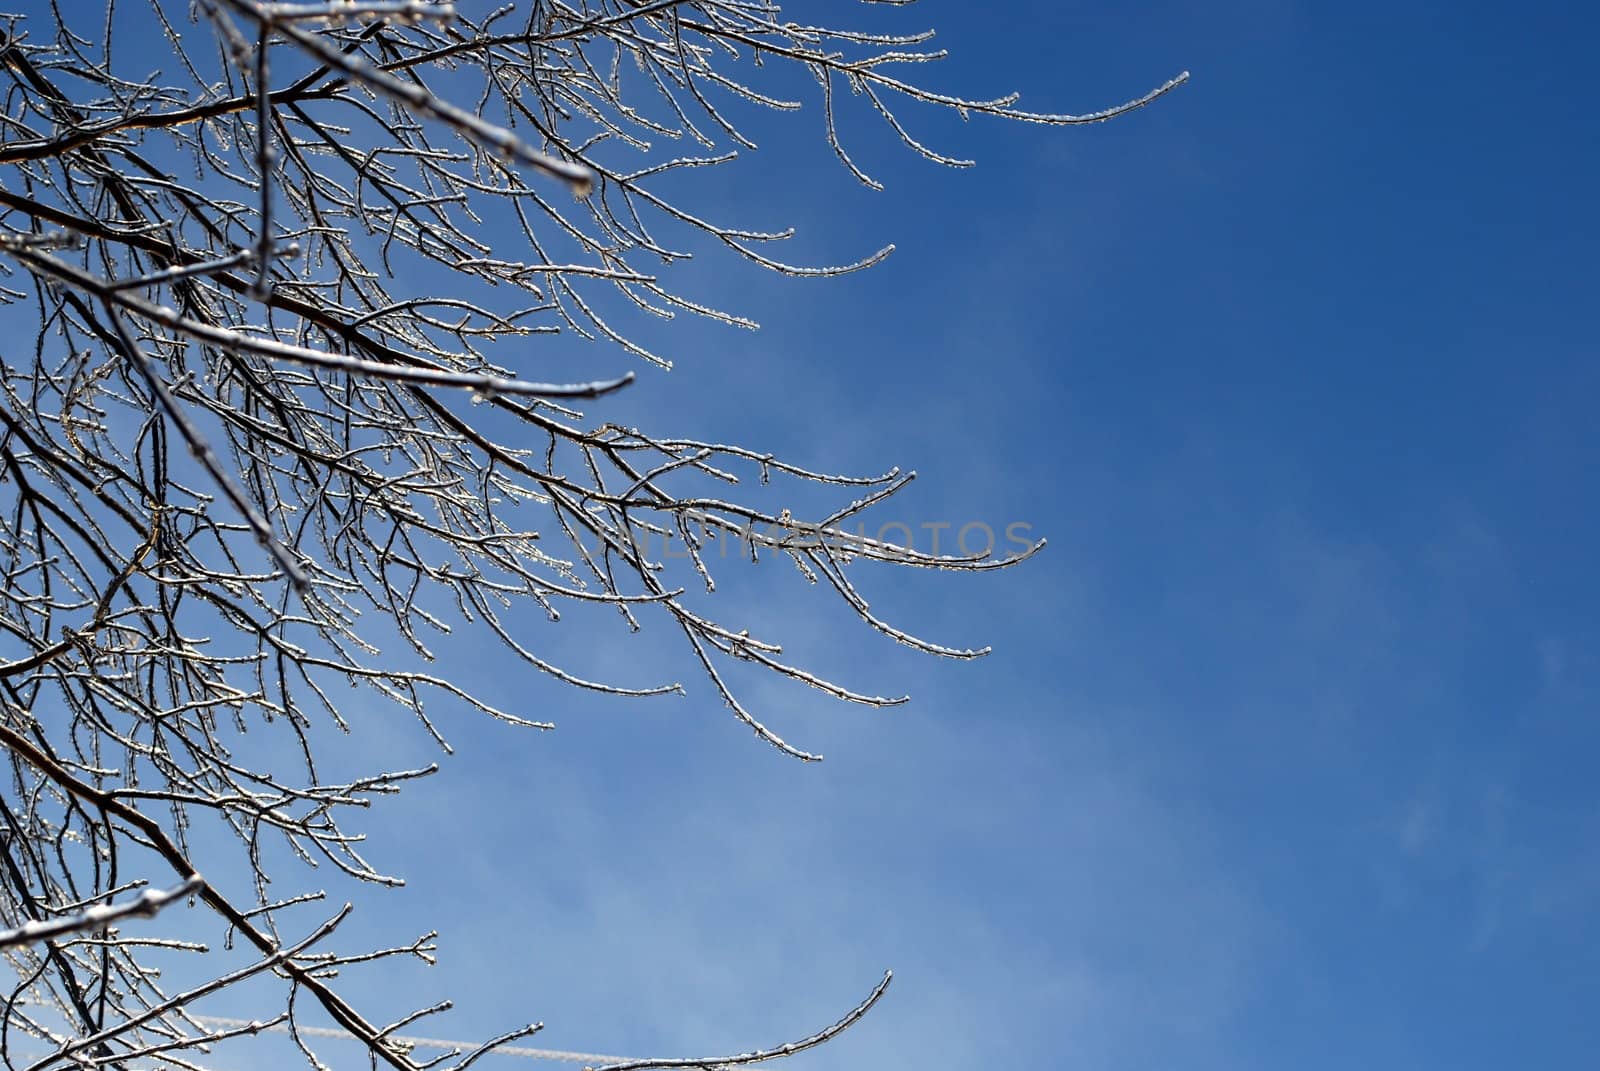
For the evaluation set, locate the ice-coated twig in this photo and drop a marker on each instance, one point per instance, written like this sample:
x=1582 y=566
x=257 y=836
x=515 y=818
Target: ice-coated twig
x=146 y=905
x=419 y=372
x=406 y=1041
x=404 y=11
x=758 y=1056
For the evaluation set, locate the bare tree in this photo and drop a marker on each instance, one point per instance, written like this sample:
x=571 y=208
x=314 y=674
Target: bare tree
x=240 y=456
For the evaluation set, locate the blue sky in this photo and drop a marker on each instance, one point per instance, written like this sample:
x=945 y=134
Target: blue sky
x=1284 y=753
